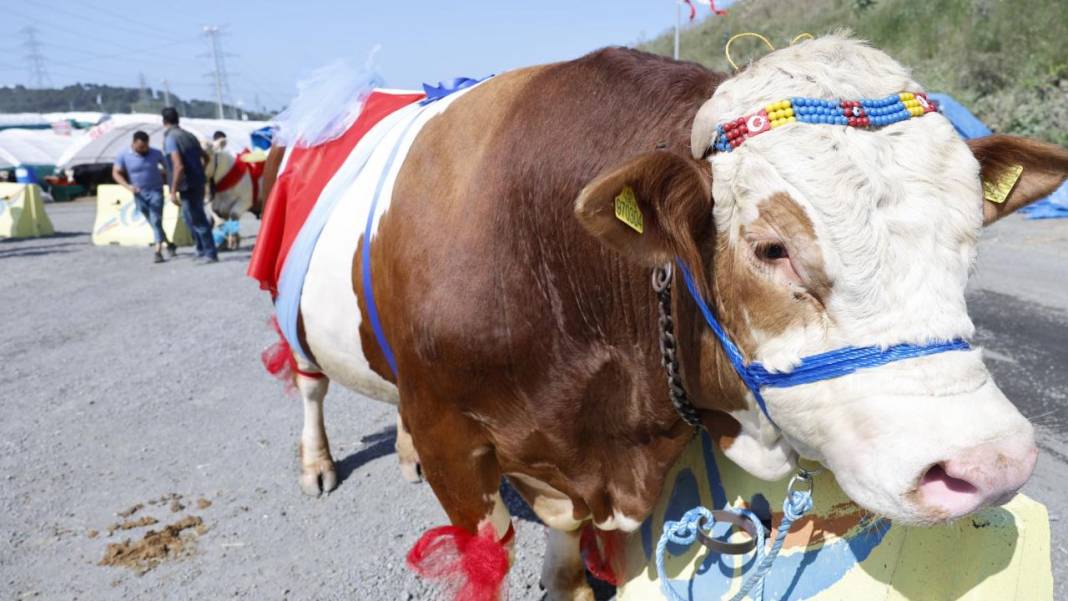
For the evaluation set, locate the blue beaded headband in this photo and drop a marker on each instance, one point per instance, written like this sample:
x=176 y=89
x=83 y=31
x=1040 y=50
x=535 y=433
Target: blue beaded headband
x=870 y=113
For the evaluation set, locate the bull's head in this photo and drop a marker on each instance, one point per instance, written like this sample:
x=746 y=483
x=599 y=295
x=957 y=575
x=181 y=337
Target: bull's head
x=810 y=238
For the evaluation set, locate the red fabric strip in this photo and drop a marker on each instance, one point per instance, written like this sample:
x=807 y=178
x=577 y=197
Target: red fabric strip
x=233 y=175
x=298 y=187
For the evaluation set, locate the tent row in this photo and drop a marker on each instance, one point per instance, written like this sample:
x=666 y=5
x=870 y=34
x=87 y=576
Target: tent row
x=45 y=151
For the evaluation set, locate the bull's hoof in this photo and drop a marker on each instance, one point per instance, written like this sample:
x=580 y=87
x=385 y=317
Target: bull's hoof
x=411 y=471
x=318 y=478
x=582 y=593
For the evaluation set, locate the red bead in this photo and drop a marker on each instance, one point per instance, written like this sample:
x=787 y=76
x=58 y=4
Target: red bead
x=853 y=121
x=864 y=122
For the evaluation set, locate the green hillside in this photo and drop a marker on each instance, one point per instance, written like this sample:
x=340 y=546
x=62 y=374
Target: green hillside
x=1007 y=60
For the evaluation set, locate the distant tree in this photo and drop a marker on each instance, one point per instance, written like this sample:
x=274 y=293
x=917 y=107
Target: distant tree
x=112 y=99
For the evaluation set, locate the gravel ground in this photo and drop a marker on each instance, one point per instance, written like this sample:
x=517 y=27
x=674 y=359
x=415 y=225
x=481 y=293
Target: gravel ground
x=127 y=381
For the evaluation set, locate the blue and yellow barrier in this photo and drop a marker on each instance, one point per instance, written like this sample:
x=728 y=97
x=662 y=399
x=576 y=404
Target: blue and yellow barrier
x=838 y=551
x=119 y=222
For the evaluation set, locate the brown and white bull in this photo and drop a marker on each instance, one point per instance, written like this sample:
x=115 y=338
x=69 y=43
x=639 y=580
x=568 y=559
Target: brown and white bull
x=524 y=327
x=234 y=185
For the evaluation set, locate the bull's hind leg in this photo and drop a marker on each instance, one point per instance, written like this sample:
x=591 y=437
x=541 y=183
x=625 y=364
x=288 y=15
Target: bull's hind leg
x=406 y=454
x=317 y=473
x=563 y=573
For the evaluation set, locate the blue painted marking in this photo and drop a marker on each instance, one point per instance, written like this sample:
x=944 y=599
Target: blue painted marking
x=795 y=575
x=684 y=496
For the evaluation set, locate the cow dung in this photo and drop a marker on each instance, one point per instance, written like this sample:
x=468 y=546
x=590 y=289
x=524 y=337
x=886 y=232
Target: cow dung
x=146 y=553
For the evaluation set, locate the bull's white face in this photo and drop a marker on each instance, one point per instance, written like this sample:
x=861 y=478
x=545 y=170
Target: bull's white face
x=893 y=219
x=219 y=159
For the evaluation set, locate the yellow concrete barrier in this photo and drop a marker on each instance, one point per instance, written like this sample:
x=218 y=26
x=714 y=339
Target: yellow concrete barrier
x=839 y=551
x=119 y=222
x=22 y=212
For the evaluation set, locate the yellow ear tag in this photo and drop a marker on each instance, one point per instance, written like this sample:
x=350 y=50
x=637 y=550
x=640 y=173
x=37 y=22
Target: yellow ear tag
x=999 y=189
x=627 y=210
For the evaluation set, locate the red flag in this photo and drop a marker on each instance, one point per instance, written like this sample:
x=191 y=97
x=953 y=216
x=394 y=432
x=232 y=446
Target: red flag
x=693 y=10
x=711 y=4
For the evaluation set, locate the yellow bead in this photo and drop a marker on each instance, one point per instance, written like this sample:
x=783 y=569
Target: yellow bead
x=769 y=108
x=907 y=96
x=790 y=119
x=789 y=112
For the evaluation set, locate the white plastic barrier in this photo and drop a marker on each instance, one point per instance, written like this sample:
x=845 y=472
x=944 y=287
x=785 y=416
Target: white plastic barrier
x=22 y=213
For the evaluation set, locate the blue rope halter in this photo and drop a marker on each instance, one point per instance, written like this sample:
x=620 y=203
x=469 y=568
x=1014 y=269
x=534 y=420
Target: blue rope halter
x=813 y=368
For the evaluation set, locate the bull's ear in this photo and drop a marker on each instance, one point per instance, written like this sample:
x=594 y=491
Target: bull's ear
x=651 y=209
x=1016 y=172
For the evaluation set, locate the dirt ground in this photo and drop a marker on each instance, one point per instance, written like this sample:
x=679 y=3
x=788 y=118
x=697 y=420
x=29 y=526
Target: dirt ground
x=129 y=385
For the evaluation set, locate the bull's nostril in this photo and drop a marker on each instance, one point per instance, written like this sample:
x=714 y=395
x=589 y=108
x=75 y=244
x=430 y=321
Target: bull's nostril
x=947 y=495
x=937 y=476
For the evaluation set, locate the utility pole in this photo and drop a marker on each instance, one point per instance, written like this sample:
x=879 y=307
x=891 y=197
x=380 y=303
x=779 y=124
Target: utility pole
x=678 y=25
x=36 y=60
x=143 y=94
x=219 y=73
x=166 y=92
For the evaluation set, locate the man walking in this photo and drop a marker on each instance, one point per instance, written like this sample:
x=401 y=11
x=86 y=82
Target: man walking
x=186 y=159
x=138 y=170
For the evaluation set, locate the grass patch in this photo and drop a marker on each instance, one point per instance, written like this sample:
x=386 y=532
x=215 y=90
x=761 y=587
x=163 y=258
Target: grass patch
x=1006 y=60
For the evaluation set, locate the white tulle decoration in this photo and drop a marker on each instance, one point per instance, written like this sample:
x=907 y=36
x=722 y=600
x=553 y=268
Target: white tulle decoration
x=327 y=102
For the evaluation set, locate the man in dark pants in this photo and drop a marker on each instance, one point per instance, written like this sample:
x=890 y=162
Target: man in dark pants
x=138 y=170
x=187 y=176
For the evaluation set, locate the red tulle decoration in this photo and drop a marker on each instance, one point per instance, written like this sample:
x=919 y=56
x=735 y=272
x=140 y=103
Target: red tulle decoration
x=472 y=567
x=600 y=549
x=278 y=358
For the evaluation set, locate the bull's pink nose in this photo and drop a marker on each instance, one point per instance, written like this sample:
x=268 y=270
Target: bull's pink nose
x=988 y=474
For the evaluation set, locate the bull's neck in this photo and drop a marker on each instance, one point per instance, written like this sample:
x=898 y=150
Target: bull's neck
x=710 y=379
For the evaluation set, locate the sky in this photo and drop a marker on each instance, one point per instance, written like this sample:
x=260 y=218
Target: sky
x=270 y=45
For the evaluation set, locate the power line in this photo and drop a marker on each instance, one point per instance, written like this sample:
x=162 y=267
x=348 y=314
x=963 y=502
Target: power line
x=34 y=57
x=83 y=34
x=111 y=23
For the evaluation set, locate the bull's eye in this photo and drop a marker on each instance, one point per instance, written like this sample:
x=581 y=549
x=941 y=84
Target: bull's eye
x=771 y=251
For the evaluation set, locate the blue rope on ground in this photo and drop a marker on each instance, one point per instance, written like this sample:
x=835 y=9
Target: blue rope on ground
x=684 y=532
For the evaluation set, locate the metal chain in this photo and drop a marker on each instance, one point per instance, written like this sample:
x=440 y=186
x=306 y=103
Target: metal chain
x=668 y=346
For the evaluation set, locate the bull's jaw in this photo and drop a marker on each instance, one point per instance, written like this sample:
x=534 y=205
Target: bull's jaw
x=759 y=448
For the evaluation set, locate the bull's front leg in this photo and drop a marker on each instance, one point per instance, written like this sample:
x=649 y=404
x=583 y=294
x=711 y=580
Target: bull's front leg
x=563 y=574
x=317 y=473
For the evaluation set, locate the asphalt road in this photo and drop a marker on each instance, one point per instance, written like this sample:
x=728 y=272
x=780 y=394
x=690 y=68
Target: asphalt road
x=125 y=382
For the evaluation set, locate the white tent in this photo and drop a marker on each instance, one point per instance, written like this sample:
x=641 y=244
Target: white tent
x=104 y=141
x=33 y=147
x=45 y=120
